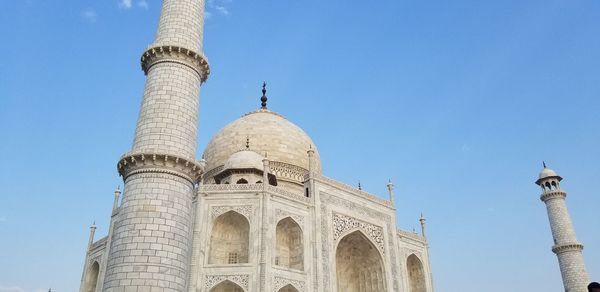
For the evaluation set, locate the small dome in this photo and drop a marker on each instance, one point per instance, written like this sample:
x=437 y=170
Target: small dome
x=547 y=172
x=245 y=159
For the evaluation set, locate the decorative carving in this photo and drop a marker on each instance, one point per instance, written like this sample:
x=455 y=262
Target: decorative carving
x=353 y=190
x=343 y=223
x=280 y=282
x=187 y=169
x=175 y=54
x=213 y=280
x=245 y=210
x=280 y=214
x=285 y=170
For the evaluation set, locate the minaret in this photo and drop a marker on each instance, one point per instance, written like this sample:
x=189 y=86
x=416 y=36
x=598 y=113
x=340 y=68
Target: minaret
x=151 y=244
x=566 y=247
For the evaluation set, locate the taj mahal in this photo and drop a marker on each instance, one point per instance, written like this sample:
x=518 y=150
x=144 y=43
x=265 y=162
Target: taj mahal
x=255 y=213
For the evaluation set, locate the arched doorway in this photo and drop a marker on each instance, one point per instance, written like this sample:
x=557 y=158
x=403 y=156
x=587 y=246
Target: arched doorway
x=359 y=267
x=288 y=288
x=91 y=279
x=416 y=275
x=229 y=239
x=290 y=248
x=227 y=286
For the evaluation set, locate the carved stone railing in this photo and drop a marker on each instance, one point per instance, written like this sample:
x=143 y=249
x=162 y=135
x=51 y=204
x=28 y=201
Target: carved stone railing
x=553 y=195
x=353 y=190
x=411 y=235
x=179 y=55
x=253 y=188
x=567 y=247
x=289 y=171
x=188 y=169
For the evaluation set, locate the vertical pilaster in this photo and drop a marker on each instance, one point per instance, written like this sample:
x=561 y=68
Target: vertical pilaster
x=152 y=235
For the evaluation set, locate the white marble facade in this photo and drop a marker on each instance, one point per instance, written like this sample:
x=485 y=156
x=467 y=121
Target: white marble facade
x=308 y=233
x=254 y=214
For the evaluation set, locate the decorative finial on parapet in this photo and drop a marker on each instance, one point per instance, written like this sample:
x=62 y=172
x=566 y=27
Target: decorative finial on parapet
x=92 y=231
x=116 y=201
x=263 y=99
x=544 y=163
x=390 y=187
x=359 y=186
x=422 y=221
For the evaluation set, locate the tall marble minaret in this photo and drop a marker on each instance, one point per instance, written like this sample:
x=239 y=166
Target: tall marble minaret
x=151 y=239
x=566 y=247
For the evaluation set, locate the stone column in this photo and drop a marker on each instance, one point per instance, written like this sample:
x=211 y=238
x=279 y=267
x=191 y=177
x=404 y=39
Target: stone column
x=151 y=243
x=566 y=247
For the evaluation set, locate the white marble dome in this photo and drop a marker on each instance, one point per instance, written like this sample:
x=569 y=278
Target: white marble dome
x=547 y=172
x=268 y=133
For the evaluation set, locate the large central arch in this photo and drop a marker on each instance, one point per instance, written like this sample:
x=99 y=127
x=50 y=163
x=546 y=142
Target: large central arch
x=359 y=266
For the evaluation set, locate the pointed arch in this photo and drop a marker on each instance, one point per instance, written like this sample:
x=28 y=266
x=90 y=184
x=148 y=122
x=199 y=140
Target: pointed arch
x=91 y=278
x=290 y=244
x=227 y=286
x=229 y=239
x=416 y=274
x=288 y=288
x=359 y=265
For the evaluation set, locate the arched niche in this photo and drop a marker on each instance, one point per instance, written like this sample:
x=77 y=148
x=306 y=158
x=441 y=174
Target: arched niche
x=290 y=245
x=359 y=266
x=229 y=239
x=288 y=288
x=91 y=279
x=416 y=274
x=227 y=286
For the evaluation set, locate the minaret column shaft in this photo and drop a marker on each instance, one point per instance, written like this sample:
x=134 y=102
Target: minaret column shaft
x=560 y=221
x=152 y=235
x=566 y=247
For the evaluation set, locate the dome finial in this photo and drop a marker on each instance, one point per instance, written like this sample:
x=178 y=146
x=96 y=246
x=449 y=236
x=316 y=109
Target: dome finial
x=263 y=99
x=247 y=142
x=544 y=163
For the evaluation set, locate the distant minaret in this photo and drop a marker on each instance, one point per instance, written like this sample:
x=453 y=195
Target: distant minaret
x=151 y=241
x=566 y=247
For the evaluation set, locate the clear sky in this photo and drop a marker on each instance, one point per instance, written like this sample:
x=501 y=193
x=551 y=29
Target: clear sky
x=458 y=102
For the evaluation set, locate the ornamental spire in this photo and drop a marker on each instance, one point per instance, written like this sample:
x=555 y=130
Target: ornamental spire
x=263 y=98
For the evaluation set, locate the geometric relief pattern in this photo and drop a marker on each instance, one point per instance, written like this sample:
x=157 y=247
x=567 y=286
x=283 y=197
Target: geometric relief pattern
x=212 y=280
x=280 y=214
x=245 y=210
x=279 y=282
x=343 y=223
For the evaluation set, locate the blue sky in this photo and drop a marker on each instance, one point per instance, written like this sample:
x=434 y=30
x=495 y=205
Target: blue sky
x=458 y=102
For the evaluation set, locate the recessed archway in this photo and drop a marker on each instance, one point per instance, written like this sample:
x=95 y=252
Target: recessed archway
x=229 y=239
x=288 y=288
x=416 y=274
x=91 y=279
x=359 y=266
x=227 y=286
x=290 y=247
